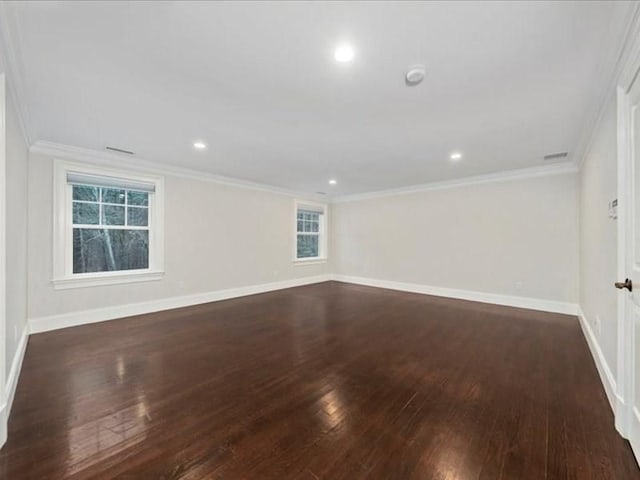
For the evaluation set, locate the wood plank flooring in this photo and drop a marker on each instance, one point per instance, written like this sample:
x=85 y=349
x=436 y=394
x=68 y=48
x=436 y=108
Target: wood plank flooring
x=329 y=381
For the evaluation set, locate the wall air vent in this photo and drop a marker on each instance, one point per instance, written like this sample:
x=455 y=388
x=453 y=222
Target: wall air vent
x=119 y=150
x=556 y=156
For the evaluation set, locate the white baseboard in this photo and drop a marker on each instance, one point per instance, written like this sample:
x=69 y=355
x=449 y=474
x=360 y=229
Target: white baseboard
x=3 y=424
x=606 y=376
x=16 y=367
x=72 y=319
x=634 y=432
x=507 y=300
x=12 y=383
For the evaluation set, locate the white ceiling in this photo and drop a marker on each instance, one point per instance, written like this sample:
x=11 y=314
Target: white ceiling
x=506 y=84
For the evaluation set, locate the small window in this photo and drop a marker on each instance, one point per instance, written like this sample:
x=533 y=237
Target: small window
x=310 y=232
x=111 y=226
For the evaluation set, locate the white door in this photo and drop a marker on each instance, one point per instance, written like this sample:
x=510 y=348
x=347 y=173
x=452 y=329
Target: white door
x=628 y=407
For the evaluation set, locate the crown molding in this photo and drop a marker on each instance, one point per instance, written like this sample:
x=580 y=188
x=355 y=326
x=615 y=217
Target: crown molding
x=12 y=66
x=97 y=157
x=629 y=57
x=627 y=45
x=509 y=175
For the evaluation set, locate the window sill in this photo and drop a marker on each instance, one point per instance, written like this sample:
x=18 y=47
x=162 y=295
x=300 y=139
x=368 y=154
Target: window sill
x=115 y=278
x=309 y=261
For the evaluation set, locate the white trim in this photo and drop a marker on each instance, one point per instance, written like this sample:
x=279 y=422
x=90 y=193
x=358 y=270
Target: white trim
x=509 y=175
x=15 y=73
x=634 y=431
x=3 y=424
x=53 y=322
x=106 y=278
x=309 y=261
x=63 y=276
x=3 y=254
x=497 y=299
x=606 y=376
x=98 y=157
x=16 y=367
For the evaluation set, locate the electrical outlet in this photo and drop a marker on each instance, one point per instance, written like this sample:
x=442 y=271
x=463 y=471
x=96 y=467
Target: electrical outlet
x=518 y=285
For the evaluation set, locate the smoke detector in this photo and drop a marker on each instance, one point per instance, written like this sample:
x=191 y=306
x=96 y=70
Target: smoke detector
x=415 y=75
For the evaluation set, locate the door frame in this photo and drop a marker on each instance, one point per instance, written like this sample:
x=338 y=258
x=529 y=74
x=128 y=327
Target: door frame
x=627 y=417
x=4 y=415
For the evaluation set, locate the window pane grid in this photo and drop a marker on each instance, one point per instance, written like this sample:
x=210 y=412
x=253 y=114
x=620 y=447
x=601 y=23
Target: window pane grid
x=110 y=213
x=110 y=229
x=308 y=222
x=309 y=234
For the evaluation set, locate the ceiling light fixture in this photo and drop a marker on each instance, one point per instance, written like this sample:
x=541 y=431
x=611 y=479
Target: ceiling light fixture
x=344 y=53
x=199 y=145
x=332 y=182
x=455 y=156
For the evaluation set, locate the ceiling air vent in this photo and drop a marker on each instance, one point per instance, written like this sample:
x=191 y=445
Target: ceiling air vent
x=119 y=150
x=556 y=156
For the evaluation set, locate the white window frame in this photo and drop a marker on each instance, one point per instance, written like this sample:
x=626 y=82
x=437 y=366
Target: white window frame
x=322 y=233
x=63 y=276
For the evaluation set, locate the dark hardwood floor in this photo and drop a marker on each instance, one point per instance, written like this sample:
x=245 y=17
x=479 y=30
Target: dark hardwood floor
x=329 y=381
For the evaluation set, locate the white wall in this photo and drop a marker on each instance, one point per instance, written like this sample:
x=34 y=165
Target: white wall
x=16 y=230
x=481 y=238
x=216 y=237
x=598 y=235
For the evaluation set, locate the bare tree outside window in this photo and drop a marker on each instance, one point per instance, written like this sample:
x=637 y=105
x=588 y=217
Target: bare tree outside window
x=110 y=229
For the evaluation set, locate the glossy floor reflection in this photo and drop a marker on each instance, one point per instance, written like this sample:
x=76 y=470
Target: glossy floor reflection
x=330 y=381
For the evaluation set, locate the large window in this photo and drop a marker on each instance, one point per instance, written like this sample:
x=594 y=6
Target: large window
x=310 y=232
x=108 y=224
x=110 y=228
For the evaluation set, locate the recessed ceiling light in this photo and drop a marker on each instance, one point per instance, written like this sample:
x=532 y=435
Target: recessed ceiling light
x=455 y=156
x=344 y=53
x=199 y=145
x=332 y=182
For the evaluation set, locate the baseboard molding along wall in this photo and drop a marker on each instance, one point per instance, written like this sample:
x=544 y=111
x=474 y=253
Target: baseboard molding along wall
x=507 y=300
x=72 y=319
x=606 y=376
x=16 y=366
x=53 y=322
x=12 y=383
